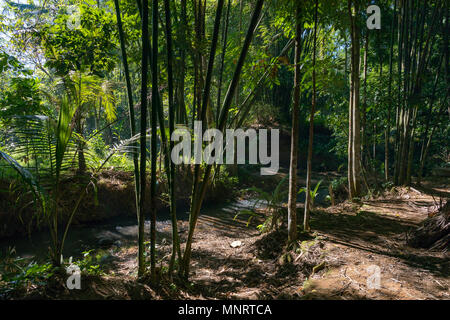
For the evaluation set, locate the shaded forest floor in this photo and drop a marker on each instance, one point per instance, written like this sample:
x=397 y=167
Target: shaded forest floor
x=333 y=263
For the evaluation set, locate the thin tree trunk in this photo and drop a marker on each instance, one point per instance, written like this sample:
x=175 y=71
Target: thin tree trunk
x=388 y=125
x=79 y=130
x=222 y=61
x=445 y=59
x=143 y=138
x=292 y=201
x=351 y=190
x=415 y=60
x=173 y=213
x=130 y=103
x=240 y=43
x=197 y=172
x=157 y=115
x=309 y=201
x=182 y=114
x=354 y=129
x=364 y=106
x=155 y=106
x=399 y=81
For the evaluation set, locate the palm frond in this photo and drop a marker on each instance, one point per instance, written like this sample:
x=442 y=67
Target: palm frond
x=26 y=176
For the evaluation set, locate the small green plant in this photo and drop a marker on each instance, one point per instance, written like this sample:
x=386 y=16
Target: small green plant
x=90 y=263
x=313 y=193
x=97 y=147
x=337 y=190
x=226 y=180
x=273 y=210
x=18 y=272
x=388 y=185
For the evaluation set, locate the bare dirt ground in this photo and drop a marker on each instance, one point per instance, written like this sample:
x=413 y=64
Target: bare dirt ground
x=350 y=244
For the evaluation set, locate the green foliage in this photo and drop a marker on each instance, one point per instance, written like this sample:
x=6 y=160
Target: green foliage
x=90 y=263
x=50 y=141
x=19 y=92
x=17 y=272
x=97 y=145
x=339 y=183
x=272 y=202
x=61 y=83
x=8 y=62
x=88 y=47
x=339 y=187
x=226 y=180
x=20 y=96
x=313 y=192
x=26 y=176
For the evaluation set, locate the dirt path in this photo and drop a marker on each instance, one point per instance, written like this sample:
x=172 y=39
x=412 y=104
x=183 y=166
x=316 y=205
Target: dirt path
x=351 y=243
x=373 y=237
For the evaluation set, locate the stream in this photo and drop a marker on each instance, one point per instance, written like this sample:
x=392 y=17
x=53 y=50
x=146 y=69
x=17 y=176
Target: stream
x=117 y=231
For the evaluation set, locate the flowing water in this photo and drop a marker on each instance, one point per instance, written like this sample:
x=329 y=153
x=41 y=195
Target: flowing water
x=117 y=231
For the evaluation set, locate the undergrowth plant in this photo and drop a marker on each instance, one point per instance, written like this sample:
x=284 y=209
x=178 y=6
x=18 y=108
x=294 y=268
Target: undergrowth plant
x=273 y=207
x=18 y=272
x=313 y=193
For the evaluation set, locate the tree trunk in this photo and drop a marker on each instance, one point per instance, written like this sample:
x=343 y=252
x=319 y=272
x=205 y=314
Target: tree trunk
x=388 y=125
x=155 y=106
x=173 y=213
x=354 y=123
x=364 y=146
x=309 y=201
x=222 y=61
x=143 y=138
x=130 y=102
x=292 y=201
x=197 y=171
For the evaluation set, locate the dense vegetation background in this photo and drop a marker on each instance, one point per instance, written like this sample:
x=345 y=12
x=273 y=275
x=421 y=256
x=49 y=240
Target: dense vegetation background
x=91 y=91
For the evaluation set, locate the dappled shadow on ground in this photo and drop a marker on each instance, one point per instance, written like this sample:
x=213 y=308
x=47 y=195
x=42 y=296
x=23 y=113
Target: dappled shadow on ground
x=431 y=190
x=377 y=234
x=93 y=287
x=348 y=238
x=364 y=225
x=242 y=278
x=356 y=236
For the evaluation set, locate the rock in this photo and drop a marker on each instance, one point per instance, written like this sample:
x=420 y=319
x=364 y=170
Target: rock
x=236 y=244
x=107 y=259
x=108 y=238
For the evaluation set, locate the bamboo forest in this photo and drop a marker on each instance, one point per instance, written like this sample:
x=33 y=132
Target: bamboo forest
x=224 y=150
